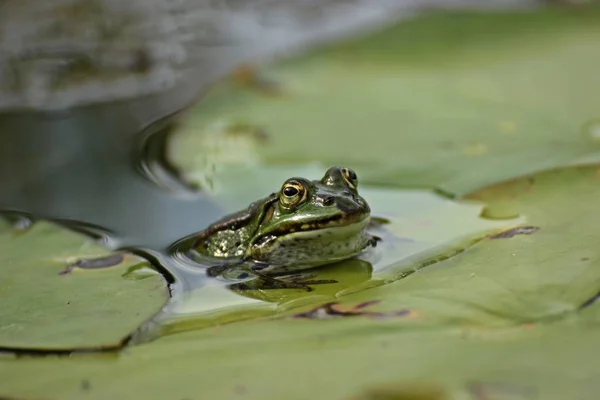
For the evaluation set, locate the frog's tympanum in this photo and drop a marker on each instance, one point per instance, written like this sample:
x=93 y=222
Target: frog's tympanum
x=305 y=225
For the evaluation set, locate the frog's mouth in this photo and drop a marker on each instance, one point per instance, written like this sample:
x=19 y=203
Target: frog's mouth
x=338 y=221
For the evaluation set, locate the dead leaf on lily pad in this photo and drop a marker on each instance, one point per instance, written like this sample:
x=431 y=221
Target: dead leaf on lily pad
x=404 y=391
x=336 y=310
x=520 y=230
x=501 y=390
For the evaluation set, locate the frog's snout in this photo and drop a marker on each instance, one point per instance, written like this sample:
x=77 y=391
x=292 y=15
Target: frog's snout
x=328 y=200
x=347 y=207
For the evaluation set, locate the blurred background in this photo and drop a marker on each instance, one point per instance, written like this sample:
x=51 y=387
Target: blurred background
x=79 y=81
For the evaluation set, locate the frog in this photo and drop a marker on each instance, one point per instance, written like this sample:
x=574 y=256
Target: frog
x=306 y=224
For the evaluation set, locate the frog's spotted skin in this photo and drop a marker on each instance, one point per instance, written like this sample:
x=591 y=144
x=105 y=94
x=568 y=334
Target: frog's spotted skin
x=305 y=225
x=302 y=250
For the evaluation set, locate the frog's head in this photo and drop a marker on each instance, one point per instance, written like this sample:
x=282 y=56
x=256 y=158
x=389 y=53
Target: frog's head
x=305 y=209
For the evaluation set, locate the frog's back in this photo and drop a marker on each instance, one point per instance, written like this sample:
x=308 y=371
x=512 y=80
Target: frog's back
x=231 y=235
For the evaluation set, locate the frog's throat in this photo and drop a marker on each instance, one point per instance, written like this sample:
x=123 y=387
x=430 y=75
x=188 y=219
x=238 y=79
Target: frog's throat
x=310 y=229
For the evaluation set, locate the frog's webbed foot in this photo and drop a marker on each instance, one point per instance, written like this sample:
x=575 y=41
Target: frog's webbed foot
x=377 y=222
x=373 y=240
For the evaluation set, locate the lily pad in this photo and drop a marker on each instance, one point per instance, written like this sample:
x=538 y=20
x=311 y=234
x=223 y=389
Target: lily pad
x=511 y=316
x=492 y=320
x=48 y=307
x=527 y=272
x=456 y=101
x=422 y=227
x=546 y=269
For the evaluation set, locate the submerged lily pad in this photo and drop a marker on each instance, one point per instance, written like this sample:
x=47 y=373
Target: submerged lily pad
x=456 y=101
x=47 y=307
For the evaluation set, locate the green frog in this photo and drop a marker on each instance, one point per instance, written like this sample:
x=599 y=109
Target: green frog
x=305 y=225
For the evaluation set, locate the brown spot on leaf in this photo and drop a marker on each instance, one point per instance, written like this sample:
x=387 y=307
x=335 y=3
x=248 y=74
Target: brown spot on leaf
x=403 y=391
x=336 y=310
x=495 y=390
x=520 y=230
x=95 y=263
x=247 y=76
x=86 y=385
x=240 y=390
x=585 y=259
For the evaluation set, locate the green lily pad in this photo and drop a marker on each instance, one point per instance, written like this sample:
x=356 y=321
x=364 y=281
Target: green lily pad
x=49 y=308
x=514 y=276
x=456 y=101
x=493 y=320
x=544 y=269
x=421 y=227
x=502 y=319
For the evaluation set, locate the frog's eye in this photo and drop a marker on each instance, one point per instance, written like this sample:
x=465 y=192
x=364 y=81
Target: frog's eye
x=350 y=177
x=292 y=193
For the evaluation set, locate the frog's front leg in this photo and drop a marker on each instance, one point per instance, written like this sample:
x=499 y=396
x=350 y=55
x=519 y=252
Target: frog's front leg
x=373 y=240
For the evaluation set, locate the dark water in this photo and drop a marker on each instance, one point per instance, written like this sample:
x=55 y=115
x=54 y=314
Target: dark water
x=98 y=182
x=98 y=170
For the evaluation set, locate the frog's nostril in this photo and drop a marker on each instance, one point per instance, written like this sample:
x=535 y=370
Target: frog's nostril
x=346 y=206
x=328 y=201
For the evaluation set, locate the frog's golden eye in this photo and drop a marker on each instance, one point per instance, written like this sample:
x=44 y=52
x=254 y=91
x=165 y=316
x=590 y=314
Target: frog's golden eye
x=350 y=177
x=292 y=193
